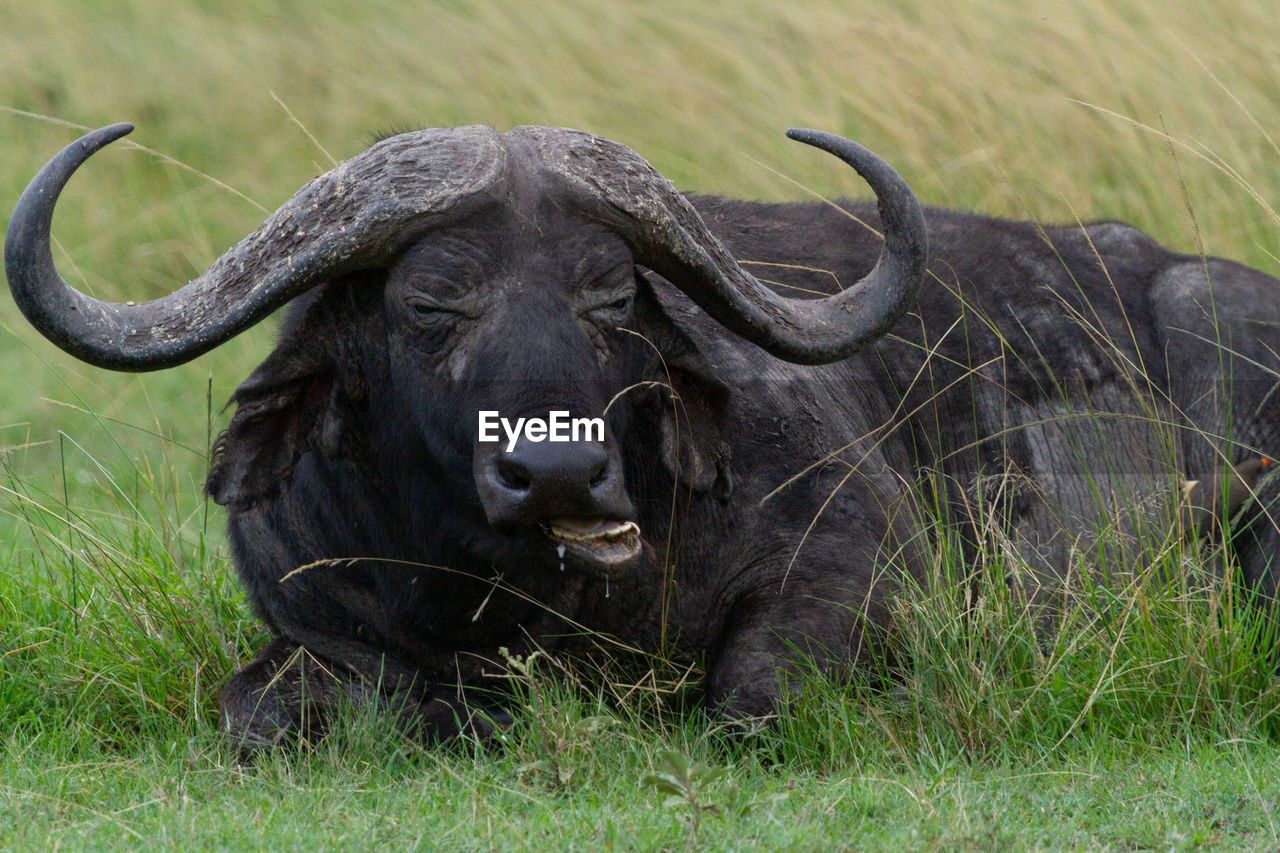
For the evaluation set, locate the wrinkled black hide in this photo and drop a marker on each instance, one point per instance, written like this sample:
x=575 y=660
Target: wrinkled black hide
x=780 y=505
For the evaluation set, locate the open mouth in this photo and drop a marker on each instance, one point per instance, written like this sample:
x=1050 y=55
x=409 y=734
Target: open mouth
x=598 y=546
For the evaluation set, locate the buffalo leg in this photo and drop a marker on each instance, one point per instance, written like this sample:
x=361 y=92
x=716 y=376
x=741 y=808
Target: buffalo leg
x=763 y=659
x=285 y=694
x=290 y=694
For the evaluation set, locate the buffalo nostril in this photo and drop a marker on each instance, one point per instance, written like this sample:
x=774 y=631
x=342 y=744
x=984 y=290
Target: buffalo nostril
x=514 y=476
x=535 y=481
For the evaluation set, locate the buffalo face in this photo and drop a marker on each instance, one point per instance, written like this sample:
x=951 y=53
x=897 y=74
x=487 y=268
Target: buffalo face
x=509 y=263
x=510 y=322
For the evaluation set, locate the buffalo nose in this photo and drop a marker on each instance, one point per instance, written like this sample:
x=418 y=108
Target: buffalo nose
x=536 y=480
x=527 y=466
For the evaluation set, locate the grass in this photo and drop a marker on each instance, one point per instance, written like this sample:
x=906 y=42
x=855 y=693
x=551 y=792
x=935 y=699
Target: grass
x=1146 y=720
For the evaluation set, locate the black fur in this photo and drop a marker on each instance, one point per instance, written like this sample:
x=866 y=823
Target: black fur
x=779 y=504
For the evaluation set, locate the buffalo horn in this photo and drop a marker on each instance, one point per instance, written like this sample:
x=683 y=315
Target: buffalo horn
x=667 y=235
x=359 y=215
x=367 y=210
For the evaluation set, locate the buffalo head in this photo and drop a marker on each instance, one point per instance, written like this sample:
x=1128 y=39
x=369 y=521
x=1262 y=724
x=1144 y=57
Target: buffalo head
x=484 y=272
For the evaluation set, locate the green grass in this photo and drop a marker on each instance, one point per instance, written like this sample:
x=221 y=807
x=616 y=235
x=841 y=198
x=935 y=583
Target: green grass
x=1148 y=720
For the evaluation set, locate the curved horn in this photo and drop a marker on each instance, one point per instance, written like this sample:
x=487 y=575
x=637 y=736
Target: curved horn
x=667 y=235
x=359 y=215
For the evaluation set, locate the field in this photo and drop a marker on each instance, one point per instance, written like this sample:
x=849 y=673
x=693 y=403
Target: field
x=1147 y=720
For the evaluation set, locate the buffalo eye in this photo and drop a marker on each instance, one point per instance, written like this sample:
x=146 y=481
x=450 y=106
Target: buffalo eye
x=609 y=314
x=434 y=323
x=426 y=309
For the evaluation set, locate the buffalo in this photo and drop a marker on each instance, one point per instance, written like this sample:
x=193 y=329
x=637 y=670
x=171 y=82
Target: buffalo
x=770 y=455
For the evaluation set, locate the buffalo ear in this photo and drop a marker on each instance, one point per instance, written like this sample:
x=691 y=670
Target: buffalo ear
x=292 y=403
x=694 y=448
x=695 y=403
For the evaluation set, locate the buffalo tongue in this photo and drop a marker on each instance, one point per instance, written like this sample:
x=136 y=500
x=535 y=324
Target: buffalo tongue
x=604 y=545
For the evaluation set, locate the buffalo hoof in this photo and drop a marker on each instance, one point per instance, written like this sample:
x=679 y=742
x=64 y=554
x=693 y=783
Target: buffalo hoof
x=288 y=695
x=281 y=697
